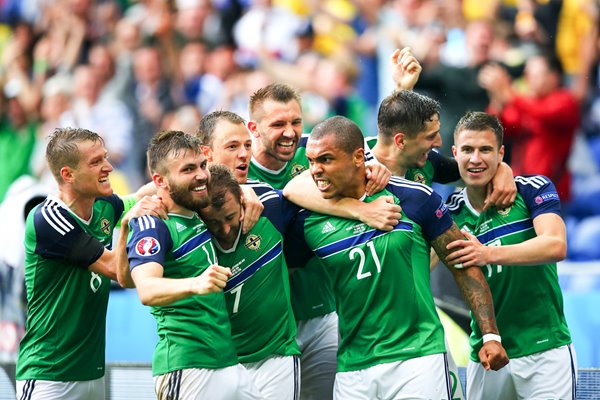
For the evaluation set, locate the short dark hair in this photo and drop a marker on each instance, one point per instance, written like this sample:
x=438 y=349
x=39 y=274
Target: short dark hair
x=169 y=143
x=222 y=182
x=63 y=150
x=208 y=123
x=480 y=121
x=348 y=136
x=407 y=112
x=279 y=92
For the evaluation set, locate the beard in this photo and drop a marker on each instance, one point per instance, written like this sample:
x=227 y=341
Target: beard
x=182 y=195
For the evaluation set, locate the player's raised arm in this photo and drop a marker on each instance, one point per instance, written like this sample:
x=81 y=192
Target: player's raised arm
x=476 y=293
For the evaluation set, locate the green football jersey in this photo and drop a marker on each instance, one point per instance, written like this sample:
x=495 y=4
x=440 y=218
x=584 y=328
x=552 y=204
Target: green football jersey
x=527 y=299
x=67 y=303
x=380 y=279
x=278 y=179
x=258 y=293
x=194 y=332
x=308 y=299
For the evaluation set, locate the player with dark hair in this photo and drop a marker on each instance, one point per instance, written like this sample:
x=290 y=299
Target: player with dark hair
x=391 y=339
x=174 y=268
x=517 y=248
x=257 y=293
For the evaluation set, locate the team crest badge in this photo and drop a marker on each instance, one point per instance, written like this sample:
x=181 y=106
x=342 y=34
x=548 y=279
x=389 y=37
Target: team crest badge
x=253 y=242
x=297 y=169
x=420 y=178
x=147 y=246
x=504 y=211
x=105 y=226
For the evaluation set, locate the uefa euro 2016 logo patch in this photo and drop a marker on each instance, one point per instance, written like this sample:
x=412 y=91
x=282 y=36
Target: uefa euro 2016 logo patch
x=297 y=169
x=253 y=242
x=147 y=246
x=105 y=226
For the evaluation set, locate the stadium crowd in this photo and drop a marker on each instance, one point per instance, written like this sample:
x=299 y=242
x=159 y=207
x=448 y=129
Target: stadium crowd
x=128 y=69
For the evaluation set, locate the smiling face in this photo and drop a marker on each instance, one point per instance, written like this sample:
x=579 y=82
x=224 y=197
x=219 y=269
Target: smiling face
x=232 y=147
x=224 y=222
x=277 y=129
x=187 y=180
x=478 y=156
x=90 y=177
x=416 y=150
x=336 y=173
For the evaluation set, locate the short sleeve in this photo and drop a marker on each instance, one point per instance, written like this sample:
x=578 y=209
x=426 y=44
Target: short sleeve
x=59 y=236
x=149 y=241
x=539 y=194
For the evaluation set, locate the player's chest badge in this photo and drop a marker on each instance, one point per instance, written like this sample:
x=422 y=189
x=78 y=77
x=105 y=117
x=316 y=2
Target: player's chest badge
x=105 y=226
x=253 y=242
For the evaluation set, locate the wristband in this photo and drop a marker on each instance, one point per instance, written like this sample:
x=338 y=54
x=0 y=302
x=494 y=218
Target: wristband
x=491 y=336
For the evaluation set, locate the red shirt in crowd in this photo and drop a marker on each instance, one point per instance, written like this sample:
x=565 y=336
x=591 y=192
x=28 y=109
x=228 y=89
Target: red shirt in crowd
x=541 y=131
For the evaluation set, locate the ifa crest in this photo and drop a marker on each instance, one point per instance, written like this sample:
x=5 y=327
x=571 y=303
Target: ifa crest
x=504 y=211
x=297 y=169
x=420 y=178
x=105 y=226
x=147 y=246
x=253 y=242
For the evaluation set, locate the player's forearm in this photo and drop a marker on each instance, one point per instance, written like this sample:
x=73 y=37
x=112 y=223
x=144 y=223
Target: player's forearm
x=123 y=272
x=535 y=251
x=303 y=192
x=476 y=292
x=154 y=291
x=470 y=281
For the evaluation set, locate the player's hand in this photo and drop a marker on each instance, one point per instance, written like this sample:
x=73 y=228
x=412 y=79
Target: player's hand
x=381 y=213
x=212 y=280
x=252 y=208
x=378 y=177
x=467 y=253
x=502 y=191
x=405 y=69
x=493 y=356
x=147 y=205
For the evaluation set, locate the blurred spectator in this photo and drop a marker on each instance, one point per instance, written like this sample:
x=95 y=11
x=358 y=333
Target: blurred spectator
x=219 y=66
x=191 y=65
x=457 y=87
x=540 y=124
x=105 y=115
x=17 y=137
x=265 y=27
x=148 y=97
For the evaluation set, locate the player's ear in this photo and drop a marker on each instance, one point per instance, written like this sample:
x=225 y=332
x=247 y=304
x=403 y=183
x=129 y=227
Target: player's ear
x=455 y=151
x=66 y=173
x=207 y=151
x=252 y=128
x=358 y=156
x=501 y=152
x=159 y=180
x=399 y=140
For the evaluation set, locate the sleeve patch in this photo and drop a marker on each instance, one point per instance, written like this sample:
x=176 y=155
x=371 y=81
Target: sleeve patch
x=147 y=246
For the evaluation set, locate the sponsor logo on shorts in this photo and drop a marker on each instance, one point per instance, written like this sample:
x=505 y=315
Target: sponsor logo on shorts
x=147 y=246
